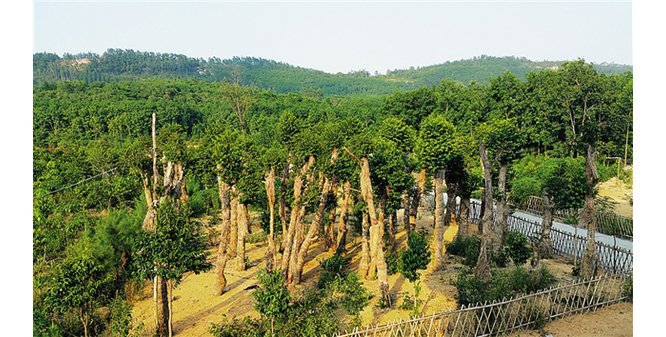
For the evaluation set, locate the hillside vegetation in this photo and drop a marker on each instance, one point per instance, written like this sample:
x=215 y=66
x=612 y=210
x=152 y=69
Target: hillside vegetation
x=118 y=65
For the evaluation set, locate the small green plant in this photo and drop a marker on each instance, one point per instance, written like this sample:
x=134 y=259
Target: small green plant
x=121 y=317
x=465 y=247
x=272 y=298
x=256 y=237
x=414 y=258
x=628 y=289
x=517 y=247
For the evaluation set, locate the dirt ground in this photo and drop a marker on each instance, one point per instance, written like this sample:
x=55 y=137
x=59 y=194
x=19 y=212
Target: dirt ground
x=620 y=193
x=613 y=321
x=195 y=307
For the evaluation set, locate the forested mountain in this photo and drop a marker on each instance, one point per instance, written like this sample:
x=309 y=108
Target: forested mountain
x=117 y=65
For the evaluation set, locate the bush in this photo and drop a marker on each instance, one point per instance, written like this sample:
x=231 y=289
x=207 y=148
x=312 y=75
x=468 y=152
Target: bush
x=332 y=268
x=393 y=261
x=628 y=289
x=468 y=248
x=121 y=317
x=248 y=327
x=504 y=283
x=272 y=298
x=517 y=247
x=256 y=237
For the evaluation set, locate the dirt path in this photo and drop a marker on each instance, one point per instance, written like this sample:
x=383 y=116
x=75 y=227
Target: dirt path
x=613 y=321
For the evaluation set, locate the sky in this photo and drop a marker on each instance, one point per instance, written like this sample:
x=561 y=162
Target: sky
x=341 y=36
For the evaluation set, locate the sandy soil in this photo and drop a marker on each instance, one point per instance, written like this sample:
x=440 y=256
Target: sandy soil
x=613 y=321
x=616 y=190
x=196 y=308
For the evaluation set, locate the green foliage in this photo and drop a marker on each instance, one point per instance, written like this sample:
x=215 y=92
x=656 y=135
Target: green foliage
x=628 y=288
x=332 y=268
x=435 y=145
x=247 y=327
x=415 y=257
x=121 y=317
x=503 y=284
x=256 y=237
x=176 y=247
x=517 y=247
x=468 y=248
x=272 y=298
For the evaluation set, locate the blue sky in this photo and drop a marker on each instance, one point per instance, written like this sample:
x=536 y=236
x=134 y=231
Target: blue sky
x=341 y=36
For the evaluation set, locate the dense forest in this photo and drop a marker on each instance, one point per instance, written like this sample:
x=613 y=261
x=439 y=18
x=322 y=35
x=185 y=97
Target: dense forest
x=132 y=149
x=119 y=65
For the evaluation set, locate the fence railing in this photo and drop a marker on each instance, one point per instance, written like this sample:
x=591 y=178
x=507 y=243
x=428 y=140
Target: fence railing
x=522 y=312
x=611 y=259
x=607 y=222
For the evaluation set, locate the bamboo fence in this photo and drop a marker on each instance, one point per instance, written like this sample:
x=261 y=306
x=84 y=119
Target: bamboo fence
x=498 y=317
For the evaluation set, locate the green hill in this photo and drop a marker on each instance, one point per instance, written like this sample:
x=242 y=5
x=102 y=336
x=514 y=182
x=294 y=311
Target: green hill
x=117 y=65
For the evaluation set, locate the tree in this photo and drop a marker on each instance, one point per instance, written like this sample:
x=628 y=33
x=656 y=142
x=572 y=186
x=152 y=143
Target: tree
x=239 y=98
x=176 y=247
x=81 y=283
x=272 y=298
x=581 y=89
x=560 y=183
x=415 y=257
x=435 y=149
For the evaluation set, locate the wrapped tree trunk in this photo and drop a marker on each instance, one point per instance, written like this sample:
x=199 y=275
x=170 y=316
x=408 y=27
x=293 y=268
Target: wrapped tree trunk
x=270 y=194
x=232 y=247
x=364 y=263
x=243 y=219
x=545 y=247
x=342 y=220
x=312 y=232
x=463 y=219
x=485 y=224
x=416 y=195
x=282 y=205
x=376 y=233
x=149 y=220
x=295 y=217
x=587 y=218
x=221 y=257
x=451 y=195
x=330 y=230
x=405 y=213
x=438 y=235
x=482 y=269
x=502 y=210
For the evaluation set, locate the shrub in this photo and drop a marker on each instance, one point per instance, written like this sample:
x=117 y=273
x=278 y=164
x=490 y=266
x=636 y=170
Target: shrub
x=517 y=247
x=259 y=236
x=332 y=268
x=247 y=327
x=628 y=289
x=504 y=283
x=272 y=298
x=468 y=248
x=393 y=261
x=121 y=317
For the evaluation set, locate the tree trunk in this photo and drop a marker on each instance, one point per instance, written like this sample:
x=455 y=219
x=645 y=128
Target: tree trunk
x=163 y=305
x=329 y=232
x=451 y=194
x=221 y=258
x=232 y=247
x=438 y=234
x=243 y=218
x=149 y=220
x=587 y=218
x=463 y=219
x=482 y=269
x=342 y=220
x=545 y=245
x=417 y=193
x=485 y=224
x=170 y=295
x=502 y=210
x=312 y=232
x=364 y=264
x=270 y=194
x=282 y=206
x=376 y=233
x=405 y=213
x=84 y=321
x=295 y=224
